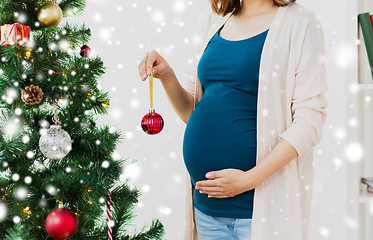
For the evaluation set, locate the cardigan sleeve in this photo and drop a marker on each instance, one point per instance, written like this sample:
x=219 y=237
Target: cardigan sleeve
x=309 y=104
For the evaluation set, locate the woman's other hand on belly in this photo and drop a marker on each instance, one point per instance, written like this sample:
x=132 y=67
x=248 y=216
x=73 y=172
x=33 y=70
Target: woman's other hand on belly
x=225 y=183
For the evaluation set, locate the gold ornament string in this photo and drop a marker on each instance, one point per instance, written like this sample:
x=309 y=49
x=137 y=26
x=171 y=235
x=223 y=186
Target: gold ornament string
x=151 y=87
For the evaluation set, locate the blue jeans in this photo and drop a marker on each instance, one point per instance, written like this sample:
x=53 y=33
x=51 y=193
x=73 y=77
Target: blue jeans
x=221 y=228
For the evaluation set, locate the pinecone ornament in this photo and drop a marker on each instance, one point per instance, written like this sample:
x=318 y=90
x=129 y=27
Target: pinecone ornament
x=32 y=95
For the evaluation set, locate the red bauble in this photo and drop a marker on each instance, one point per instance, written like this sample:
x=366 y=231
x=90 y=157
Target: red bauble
x=85 y=51
x=152 y=123
x=61 y=223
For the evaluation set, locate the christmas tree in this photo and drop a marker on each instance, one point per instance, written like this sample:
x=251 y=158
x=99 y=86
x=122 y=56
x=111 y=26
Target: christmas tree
x=58 y=174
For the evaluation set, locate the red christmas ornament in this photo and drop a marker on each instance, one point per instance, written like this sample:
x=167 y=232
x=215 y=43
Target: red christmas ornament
x=85 y=51
x=152 y=123
x=61 y=223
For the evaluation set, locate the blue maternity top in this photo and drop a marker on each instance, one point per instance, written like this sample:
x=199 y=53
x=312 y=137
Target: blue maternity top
x=221 y=131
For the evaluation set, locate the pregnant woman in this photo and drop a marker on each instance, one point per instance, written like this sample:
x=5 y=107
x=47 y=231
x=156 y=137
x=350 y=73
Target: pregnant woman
x=254 y=110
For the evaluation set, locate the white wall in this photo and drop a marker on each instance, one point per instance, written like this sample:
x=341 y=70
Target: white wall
x=124 y=30
x=328 y=217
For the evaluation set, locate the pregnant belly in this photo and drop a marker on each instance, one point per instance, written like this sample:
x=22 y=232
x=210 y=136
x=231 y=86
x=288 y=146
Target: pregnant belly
x=217 y=139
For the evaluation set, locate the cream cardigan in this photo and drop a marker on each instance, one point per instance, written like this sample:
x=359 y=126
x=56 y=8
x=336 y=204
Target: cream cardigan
x=292 y=106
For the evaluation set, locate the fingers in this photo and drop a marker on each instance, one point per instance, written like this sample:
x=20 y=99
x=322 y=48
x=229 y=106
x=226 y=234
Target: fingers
x=218 y=196
x=212 y=188
x=215 y=192
x=147 y=62
x=216 y=174
x=207 y=183
x=153 y=56
x=143 y=66
x=208 y=190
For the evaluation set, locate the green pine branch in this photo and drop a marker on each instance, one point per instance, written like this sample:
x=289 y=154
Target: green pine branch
x=155 y=232
x=74 y=6
x=8 y=8
x=21 y=231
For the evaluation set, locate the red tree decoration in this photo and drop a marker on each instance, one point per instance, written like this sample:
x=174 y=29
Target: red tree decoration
x=61 y=223
x=152 y=123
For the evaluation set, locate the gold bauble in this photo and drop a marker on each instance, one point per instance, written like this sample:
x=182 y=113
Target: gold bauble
x=49 y=14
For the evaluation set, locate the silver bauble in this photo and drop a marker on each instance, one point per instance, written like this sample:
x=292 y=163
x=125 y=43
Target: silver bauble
x=55 y=143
